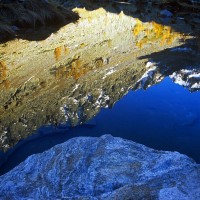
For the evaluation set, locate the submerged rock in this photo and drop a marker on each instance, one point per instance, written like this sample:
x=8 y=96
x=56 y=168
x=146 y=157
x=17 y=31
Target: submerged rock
x=103 y=168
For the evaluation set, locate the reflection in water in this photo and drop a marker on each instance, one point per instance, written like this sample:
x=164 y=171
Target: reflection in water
x=2 y=71
x=78 y=90
x=76 y=69
x=91 y=74
x=189 y=78
x=3 y=75
x=58 y=51
x=165 y=117
x=154 y=32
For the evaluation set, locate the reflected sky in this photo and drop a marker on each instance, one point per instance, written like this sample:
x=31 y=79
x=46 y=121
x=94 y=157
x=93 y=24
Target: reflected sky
x=166 y=116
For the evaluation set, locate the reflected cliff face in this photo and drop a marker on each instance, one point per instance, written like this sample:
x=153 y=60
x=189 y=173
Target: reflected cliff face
x=84 y=78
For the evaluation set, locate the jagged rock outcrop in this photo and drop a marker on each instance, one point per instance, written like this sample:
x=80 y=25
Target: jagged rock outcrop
x=103 y=168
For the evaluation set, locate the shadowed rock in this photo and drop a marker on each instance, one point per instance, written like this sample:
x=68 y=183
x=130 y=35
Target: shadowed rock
x=103 y=168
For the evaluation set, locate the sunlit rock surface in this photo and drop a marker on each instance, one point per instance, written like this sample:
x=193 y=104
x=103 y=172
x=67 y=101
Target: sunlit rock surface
x=103 y=168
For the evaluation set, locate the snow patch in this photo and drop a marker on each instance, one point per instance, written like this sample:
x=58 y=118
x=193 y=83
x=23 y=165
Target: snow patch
x=189 y=78
x=63 y=110
x=111 y=71
x=195 y=86
x=3 y=139
x=177 y=78
x=194 y=75
x=101 y=100
x=148 y=74
x=76 y=87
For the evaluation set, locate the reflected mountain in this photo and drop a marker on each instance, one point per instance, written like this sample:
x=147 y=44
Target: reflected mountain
x=71 y=75
x=40 y=19
x=75 y=88
x=181 y=64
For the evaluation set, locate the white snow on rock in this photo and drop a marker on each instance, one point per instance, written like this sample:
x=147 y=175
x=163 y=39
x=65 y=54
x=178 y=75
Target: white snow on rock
x=148 y=74
x=188 y=78
x=177 y=78
x=110 y=71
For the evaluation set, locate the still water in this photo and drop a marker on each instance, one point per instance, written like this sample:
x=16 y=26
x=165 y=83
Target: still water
x=166 y=116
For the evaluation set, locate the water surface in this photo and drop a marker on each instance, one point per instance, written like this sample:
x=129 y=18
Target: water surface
x=166 y=116
x=142 y=85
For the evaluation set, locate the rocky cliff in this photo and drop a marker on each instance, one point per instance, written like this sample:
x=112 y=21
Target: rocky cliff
x=103 y=168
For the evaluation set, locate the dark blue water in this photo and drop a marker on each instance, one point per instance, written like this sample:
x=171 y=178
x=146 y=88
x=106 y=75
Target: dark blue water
x=165 y=117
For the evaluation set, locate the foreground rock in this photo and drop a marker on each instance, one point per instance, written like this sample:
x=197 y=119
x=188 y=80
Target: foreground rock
x=103 y=168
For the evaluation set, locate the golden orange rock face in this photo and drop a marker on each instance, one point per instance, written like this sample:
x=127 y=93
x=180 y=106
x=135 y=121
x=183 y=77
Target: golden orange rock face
x=57 y=53
x=154 y=32
x=76 y=69
x=3 y=75
x=3 y=70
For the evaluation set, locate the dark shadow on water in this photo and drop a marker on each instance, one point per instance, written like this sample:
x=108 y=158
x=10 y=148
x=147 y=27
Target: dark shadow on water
x=180 y=57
